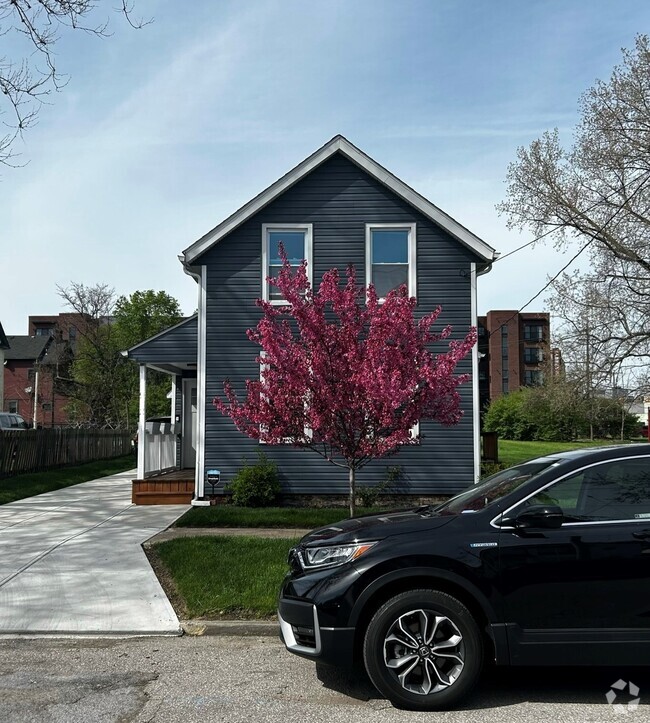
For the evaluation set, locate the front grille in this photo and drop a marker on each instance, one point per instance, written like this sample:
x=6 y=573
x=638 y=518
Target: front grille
x=304 y=636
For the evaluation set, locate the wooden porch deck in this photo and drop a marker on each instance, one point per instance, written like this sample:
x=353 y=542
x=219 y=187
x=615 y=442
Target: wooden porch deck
x=175 y=487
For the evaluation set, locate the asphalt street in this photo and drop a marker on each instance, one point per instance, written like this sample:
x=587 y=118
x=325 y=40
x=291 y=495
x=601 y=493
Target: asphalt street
x=253 y=679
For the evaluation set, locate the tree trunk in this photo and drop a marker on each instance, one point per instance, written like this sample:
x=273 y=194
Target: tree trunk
x=622 y=423
x=352 y=491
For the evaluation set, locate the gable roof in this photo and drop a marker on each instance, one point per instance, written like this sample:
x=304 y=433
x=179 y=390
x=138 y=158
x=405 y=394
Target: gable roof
x=27 y=347
x=339 y=144
x=4 y=344
x=177 y=343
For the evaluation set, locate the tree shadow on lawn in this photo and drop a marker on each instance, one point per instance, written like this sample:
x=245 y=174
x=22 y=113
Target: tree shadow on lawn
x=504 y=686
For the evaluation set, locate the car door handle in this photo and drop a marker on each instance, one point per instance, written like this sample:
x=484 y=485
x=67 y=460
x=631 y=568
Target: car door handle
x=642 y=535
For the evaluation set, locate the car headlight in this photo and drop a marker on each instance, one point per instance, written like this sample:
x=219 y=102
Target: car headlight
x=315 y=557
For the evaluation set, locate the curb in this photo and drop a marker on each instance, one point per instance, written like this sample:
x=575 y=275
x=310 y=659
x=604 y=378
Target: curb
x=246 y=628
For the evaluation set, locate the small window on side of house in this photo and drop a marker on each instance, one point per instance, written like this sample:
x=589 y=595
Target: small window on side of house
x=391 y=257
x=297 y=242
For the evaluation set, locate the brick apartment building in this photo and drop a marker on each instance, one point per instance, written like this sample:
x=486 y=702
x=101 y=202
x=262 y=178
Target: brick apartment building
x=31 y=364
x=513 y=350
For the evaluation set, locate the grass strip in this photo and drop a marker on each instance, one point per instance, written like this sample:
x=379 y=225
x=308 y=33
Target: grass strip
x=512 y=452
x=289 y=517
x=35 y=483
x=222 y=577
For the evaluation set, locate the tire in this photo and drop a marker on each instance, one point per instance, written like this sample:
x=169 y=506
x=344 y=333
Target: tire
x=411 y=627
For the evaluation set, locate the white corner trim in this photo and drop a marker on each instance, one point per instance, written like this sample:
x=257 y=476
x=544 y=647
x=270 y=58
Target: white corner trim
x=412 y=251
x=201 y=392
x=374 y=169
x=142 y=416
x=476 y=403
x=308 y=228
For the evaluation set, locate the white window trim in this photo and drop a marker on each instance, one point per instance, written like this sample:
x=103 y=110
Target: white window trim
x=266 y=227
x=412 y=251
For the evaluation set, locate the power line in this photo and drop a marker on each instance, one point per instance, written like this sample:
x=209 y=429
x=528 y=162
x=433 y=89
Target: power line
x=564 y=268
x=546 y=285
x=523 y=246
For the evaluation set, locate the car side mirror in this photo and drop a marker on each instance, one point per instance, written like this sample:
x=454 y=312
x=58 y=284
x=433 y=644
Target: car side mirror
x=546 y=517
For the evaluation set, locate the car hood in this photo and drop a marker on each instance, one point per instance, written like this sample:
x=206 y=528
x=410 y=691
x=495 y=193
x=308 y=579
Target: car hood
x=375 y=527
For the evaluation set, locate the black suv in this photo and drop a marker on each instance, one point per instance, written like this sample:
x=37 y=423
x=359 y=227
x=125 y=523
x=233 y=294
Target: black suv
x=545 y=563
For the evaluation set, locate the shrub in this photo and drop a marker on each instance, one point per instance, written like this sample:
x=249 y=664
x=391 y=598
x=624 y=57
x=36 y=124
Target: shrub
x=556 y=412
x=369 y=495
x=256 y=485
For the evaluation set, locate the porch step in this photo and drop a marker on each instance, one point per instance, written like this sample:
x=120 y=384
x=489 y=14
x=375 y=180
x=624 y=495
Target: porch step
x=162 y=491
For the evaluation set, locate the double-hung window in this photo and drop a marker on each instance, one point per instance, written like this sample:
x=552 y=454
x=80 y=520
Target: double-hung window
x=297 y=242
x=390 y=257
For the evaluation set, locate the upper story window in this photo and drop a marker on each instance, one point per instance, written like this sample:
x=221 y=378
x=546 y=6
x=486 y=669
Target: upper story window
x=390 y=257
x=44 y=331
x=533 y=355
x=297 y=242
x=533 y=332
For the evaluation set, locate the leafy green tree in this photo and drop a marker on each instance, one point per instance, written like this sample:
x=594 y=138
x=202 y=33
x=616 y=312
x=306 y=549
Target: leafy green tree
x=557 y=412
x=138 y=317
x=103 y=386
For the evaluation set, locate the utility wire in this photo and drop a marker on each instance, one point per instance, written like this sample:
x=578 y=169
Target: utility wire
x=543 y=289
x=566 y=266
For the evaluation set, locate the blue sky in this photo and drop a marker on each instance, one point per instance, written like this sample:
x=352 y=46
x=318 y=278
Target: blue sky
x=163 y=132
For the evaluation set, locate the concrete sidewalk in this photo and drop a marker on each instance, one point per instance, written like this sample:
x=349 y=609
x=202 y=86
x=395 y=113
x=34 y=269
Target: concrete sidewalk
x=71 y=563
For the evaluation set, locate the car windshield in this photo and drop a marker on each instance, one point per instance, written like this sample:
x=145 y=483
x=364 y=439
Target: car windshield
x=493 y=488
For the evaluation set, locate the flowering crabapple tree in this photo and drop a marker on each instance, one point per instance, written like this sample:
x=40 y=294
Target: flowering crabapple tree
x=344 y=374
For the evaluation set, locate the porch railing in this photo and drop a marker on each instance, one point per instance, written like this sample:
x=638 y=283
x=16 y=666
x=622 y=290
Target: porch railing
x=159 y=448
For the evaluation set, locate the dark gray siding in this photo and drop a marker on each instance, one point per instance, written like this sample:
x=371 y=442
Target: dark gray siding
x=176 y=345
x=338 y=198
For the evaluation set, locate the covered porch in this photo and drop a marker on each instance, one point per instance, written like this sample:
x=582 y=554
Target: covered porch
x=166 y=445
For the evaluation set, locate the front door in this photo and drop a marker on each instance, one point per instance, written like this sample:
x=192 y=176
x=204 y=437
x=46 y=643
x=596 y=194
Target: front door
x=189 y=423
x=585 y=586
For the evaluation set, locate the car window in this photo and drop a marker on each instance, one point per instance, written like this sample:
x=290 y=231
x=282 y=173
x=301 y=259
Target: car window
x=616 y=490
x=478 y=497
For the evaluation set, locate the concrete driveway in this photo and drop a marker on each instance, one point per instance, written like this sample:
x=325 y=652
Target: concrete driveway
x=71 y=563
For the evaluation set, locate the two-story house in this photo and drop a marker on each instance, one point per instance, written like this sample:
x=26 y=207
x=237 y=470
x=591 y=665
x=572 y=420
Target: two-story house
x=337 y=207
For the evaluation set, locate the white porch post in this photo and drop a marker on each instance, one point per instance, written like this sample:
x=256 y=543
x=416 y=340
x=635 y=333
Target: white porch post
x=141 y=420
x=172 y=412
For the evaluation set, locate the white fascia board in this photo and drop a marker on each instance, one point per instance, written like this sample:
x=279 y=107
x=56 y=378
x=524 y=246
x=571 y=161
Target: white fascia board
x=338 y=143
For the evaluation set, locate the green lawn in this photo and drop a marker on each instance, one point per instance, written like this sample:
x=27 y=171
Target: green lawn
x=291 y=517
x=222 y=577
x=511 y=452
x=35 y=483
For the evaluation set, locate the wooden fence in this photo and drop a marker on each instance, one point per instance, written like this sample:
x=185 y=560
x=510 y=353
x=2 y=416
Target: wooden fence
x=37 y=450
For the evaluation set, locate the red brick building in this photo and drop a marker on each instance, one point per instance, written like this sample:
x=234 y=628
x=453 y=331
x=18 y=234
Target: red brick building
x=31 y=366
x=514 y=349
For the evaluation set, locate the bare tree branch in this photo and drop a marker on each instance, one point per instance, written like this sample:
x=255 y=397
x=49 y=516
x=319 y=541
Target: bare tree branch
x=27 y=82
